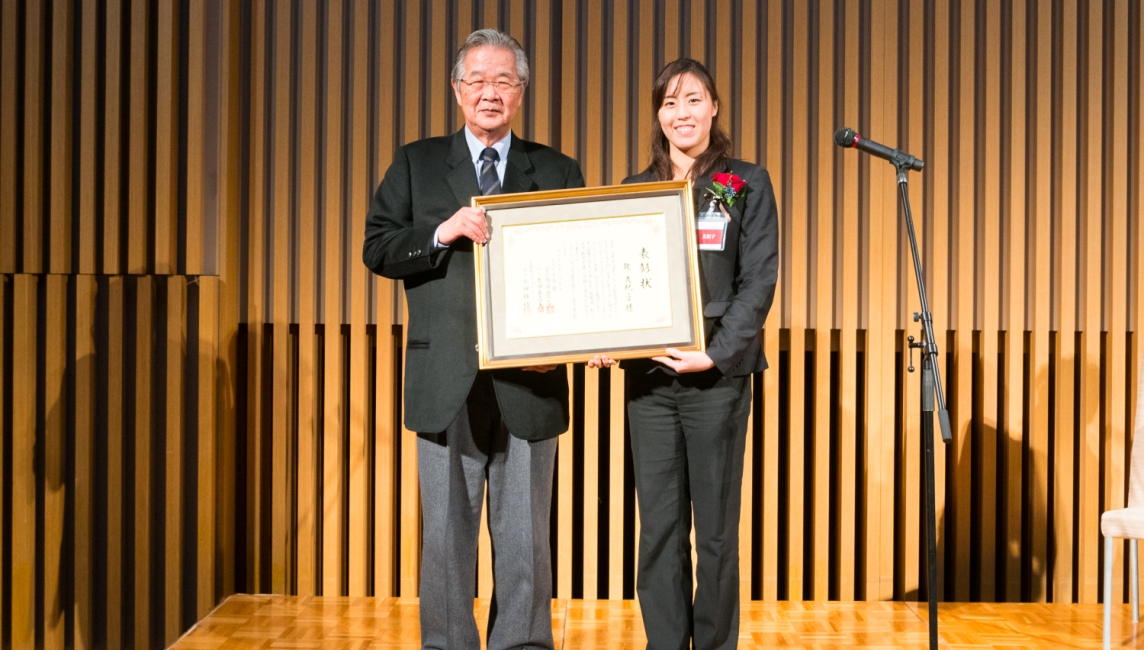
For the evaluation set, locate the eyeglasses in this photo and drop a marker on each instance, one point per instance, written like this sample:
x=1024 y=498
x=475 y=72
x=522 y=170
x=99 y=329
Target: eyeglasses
x=502 y=87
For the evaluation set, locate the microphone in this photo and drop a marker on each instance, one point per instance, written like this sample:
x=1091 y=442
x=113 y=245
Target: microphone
x=848 y=138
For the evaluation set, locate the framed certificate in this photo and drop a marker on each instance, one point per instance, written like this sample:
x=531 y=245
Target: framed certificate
x=568 y=274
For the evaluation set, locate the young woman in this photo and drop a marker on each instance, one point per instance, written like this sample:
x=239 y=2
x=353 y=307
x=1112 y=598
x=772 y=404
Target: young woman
x=688 y=410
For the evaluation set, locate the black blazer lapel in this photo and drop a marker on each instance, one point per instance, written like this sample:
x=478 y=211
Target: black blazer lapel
x=462 y=176
x=518 y=172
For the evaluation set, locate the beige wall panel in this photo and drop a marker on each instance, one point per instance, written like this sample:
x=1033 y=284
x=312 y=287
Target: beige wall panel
x=1065 y=189
x=1115 y=194
x=823 y=273
x=777 y=319
x=987 y=301
x=539 y=90
x=672 y=25
x=281 y=215
x=24 y=424
x=961 y=318
x=563 y=578
x=1089 y=307
x=1040 y=182
x=387 y=433
x=360 y=191
x=591 y=514
x=797 y=509
x=913 y=551
x=306 y=571
x=175 y=440
x=333 y=427
x=53 y=429
x=848 y=406
x=616 y=518
x=255 y=308
x=1014 y=290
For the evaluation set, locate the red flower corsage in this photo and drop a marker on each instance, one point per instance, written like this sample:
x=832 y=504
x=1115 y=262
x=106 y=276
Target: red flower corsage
x=727 y=188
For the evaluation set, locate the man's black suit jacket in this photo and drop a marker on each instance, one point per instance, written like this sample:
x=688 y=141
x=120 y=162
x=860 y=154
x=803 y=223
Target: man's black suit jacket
x=426 y=183
x=738 y=282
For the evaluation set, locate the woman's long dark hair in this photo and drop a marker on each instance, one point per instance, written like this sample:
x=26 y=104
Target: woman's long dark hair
x=719 y=145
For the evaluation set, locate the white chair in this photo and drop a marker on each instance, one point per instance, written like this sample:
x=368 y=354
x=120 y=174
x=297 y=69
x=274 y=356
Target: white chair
x=1127 y=523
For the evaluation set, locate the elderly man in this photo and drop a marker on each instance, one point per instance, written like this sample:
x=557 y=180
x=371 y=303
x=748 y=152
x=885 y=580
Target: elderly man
x=474 y=427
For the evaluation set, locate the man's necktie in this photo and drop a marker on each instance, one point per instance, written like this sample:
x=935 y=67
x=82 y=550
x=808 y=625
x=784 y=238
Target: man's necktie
x=490 y=182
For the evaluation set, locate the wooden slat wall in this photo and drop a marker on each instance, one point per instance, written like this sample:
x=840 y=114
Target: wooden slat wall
x=274 y=459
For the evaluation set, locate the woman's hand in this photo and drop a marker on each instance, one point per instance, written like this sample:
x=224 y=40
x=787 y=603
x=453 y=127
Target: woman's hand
x=601 y=361
x=682 y=362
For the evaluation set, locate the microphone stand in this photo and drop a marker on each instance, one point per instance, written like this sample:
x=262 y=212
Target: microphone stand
x=932 y=393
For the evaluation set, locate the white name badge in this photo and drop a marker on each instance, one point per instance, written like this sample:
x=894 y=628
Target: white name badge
x=711 y=229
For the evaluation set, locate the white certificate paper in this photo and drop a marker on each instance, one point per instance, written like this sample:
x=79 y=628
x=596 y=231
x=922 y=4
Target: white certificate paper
x=584 y=276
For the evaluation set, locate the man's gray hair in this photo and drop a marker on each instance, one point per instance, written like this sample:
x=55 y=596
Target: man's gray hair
x=491 y=38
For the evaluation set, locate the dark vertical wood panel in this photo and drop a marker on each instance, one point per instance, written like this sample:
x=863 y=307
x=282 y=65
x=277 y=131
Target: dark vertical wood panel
x=9 y=110
x=141 y=523
x=23 y=542
x=208 y=471
x=60 y=136
x=83 y=362
x=139 y=120
x=34 y=137
x=113 y=108
x=116 y=463
x=6 y=327
x=231 y=129
x=52 y=428
x=167 y=83
x=196 y=112
x=88 y=121
x=175 y=448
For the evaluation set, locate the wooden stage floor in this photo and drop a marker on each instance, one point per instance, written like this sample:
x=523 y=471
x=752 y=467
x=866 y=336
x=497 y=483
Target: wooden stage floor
x=392 y=623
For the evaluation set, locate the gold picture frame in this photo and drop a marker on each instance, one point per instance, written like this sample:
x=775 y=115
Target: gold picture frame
x=569 y=274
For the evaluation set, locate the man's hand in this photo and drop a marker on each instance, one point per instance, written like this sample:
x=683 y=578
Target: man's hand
x=601 y=361
x=682 y=362
x=538 y=368
x=466 y=222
